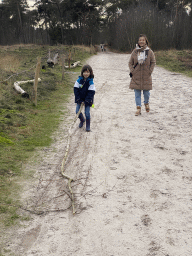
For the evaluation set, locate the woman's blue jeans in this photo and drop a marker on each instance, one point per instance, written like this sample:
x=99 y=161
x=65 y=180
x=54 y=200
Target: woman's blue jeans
x=87 y=110
x=146 y=94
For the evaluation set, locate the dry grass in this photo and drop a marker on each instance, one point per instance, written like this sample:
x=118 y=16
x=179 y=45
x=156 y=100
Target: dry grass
x=176 y=61
x=18 y=46
x=24 y=127
x=83 y=47
x=9 y=63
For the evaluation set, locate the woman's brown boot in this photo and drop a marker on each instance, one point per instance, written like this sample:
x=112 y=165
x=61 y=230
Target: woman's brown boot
x=147 y=107
x=138 y=112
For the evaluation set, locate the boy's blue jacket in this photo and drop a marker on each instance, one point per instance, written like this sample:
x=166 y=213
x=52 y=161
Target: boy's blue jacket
x=84 y=91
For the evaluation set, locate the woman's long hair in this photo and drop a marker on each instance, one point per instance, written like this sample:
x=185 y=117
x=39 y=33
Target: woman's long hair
x=142 y=35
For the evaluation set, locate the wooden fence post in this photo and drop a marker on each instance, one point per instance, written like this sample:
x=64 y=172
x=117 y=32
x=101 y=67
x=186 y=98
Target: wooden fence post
x=74 y=53
x=63 y=66
x=69 y=59
x=36 y=79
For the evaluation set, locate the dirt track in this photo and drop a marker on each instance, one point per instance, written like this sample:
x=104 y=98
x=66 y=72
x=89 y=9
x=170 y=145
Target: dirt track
x=132 y=187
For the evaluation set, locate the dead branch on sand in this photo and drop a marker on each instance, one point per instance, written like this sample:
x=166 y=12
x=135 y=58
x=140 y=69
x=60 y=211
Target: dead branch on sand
x=65 y=158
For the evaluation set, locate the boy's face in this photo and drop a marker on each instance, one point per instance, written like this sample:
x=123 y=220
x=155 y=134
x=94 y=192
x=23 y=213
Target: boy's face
x=86 y=74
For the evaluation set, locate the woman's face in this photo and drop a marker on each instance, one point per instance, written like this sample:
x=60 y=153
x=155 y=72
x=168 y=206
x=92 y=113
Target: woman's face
x=142 y=41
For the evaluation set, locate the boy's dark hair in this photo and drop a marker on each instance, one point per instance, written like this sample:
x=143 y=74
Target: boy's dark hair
x=85 y=68
x=142 y=35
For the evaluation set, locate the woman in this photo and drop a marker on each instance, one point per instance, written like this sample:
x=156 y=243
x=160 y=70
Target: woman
x=141 y=65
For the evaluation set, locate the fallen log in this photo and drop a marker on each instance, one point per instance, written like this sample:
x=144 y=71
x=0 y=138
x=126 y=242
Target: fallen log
x=51 y=62
x=73 y=65
x=23 y=93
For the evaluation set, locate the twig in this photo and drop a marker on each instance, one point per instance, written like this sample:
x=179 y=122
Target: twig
x=85 y=182
x=16 y=74
x=44 y=212
x=65 y=158
x=92 y=190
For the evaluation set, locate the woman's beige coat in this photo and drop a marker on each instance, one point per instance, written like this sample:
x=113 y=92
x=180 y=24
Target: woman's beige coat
x=141 y=74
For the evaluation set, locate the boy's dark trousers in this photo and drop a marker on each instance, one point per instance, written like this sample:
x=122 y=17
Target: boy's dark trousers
x=87 y=110
x=81 y=117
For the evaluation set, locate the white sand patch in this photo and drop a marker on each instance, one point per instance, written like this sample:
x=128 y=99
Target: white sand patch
x=132 y=175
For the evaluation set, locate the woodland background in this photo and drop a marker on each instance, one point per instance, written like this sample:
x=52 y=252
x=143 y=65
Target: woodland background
x=167 y=23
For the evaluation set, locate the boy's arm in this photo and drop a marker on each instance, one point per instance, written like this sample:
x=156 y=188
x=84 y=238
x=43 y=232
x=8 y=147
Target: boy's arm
x=77 y=92
x=90 y=95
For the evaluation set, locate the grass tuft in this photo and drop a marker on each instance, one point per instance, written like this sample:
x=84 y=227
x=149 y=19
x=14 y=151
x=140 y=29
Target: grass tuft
x=175 y=61
x=25 y=127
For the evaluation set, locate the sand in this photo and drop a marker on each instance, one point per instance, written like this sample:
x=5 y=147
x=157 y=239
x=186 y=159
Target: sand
x=132 y=175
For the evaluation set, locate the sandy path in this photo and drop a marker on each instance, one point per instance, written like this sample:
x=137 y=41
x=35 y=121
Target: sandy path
x=132 y=174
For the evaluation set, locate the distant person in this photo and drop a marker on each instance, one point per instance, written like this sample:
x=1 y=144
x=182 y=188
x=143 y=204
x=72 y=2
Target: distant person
x=84 y=91
x=141 y=65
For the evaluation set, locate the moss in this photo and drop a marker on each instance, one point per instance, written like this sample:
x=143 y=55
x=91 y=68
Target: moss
x=5 y=141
